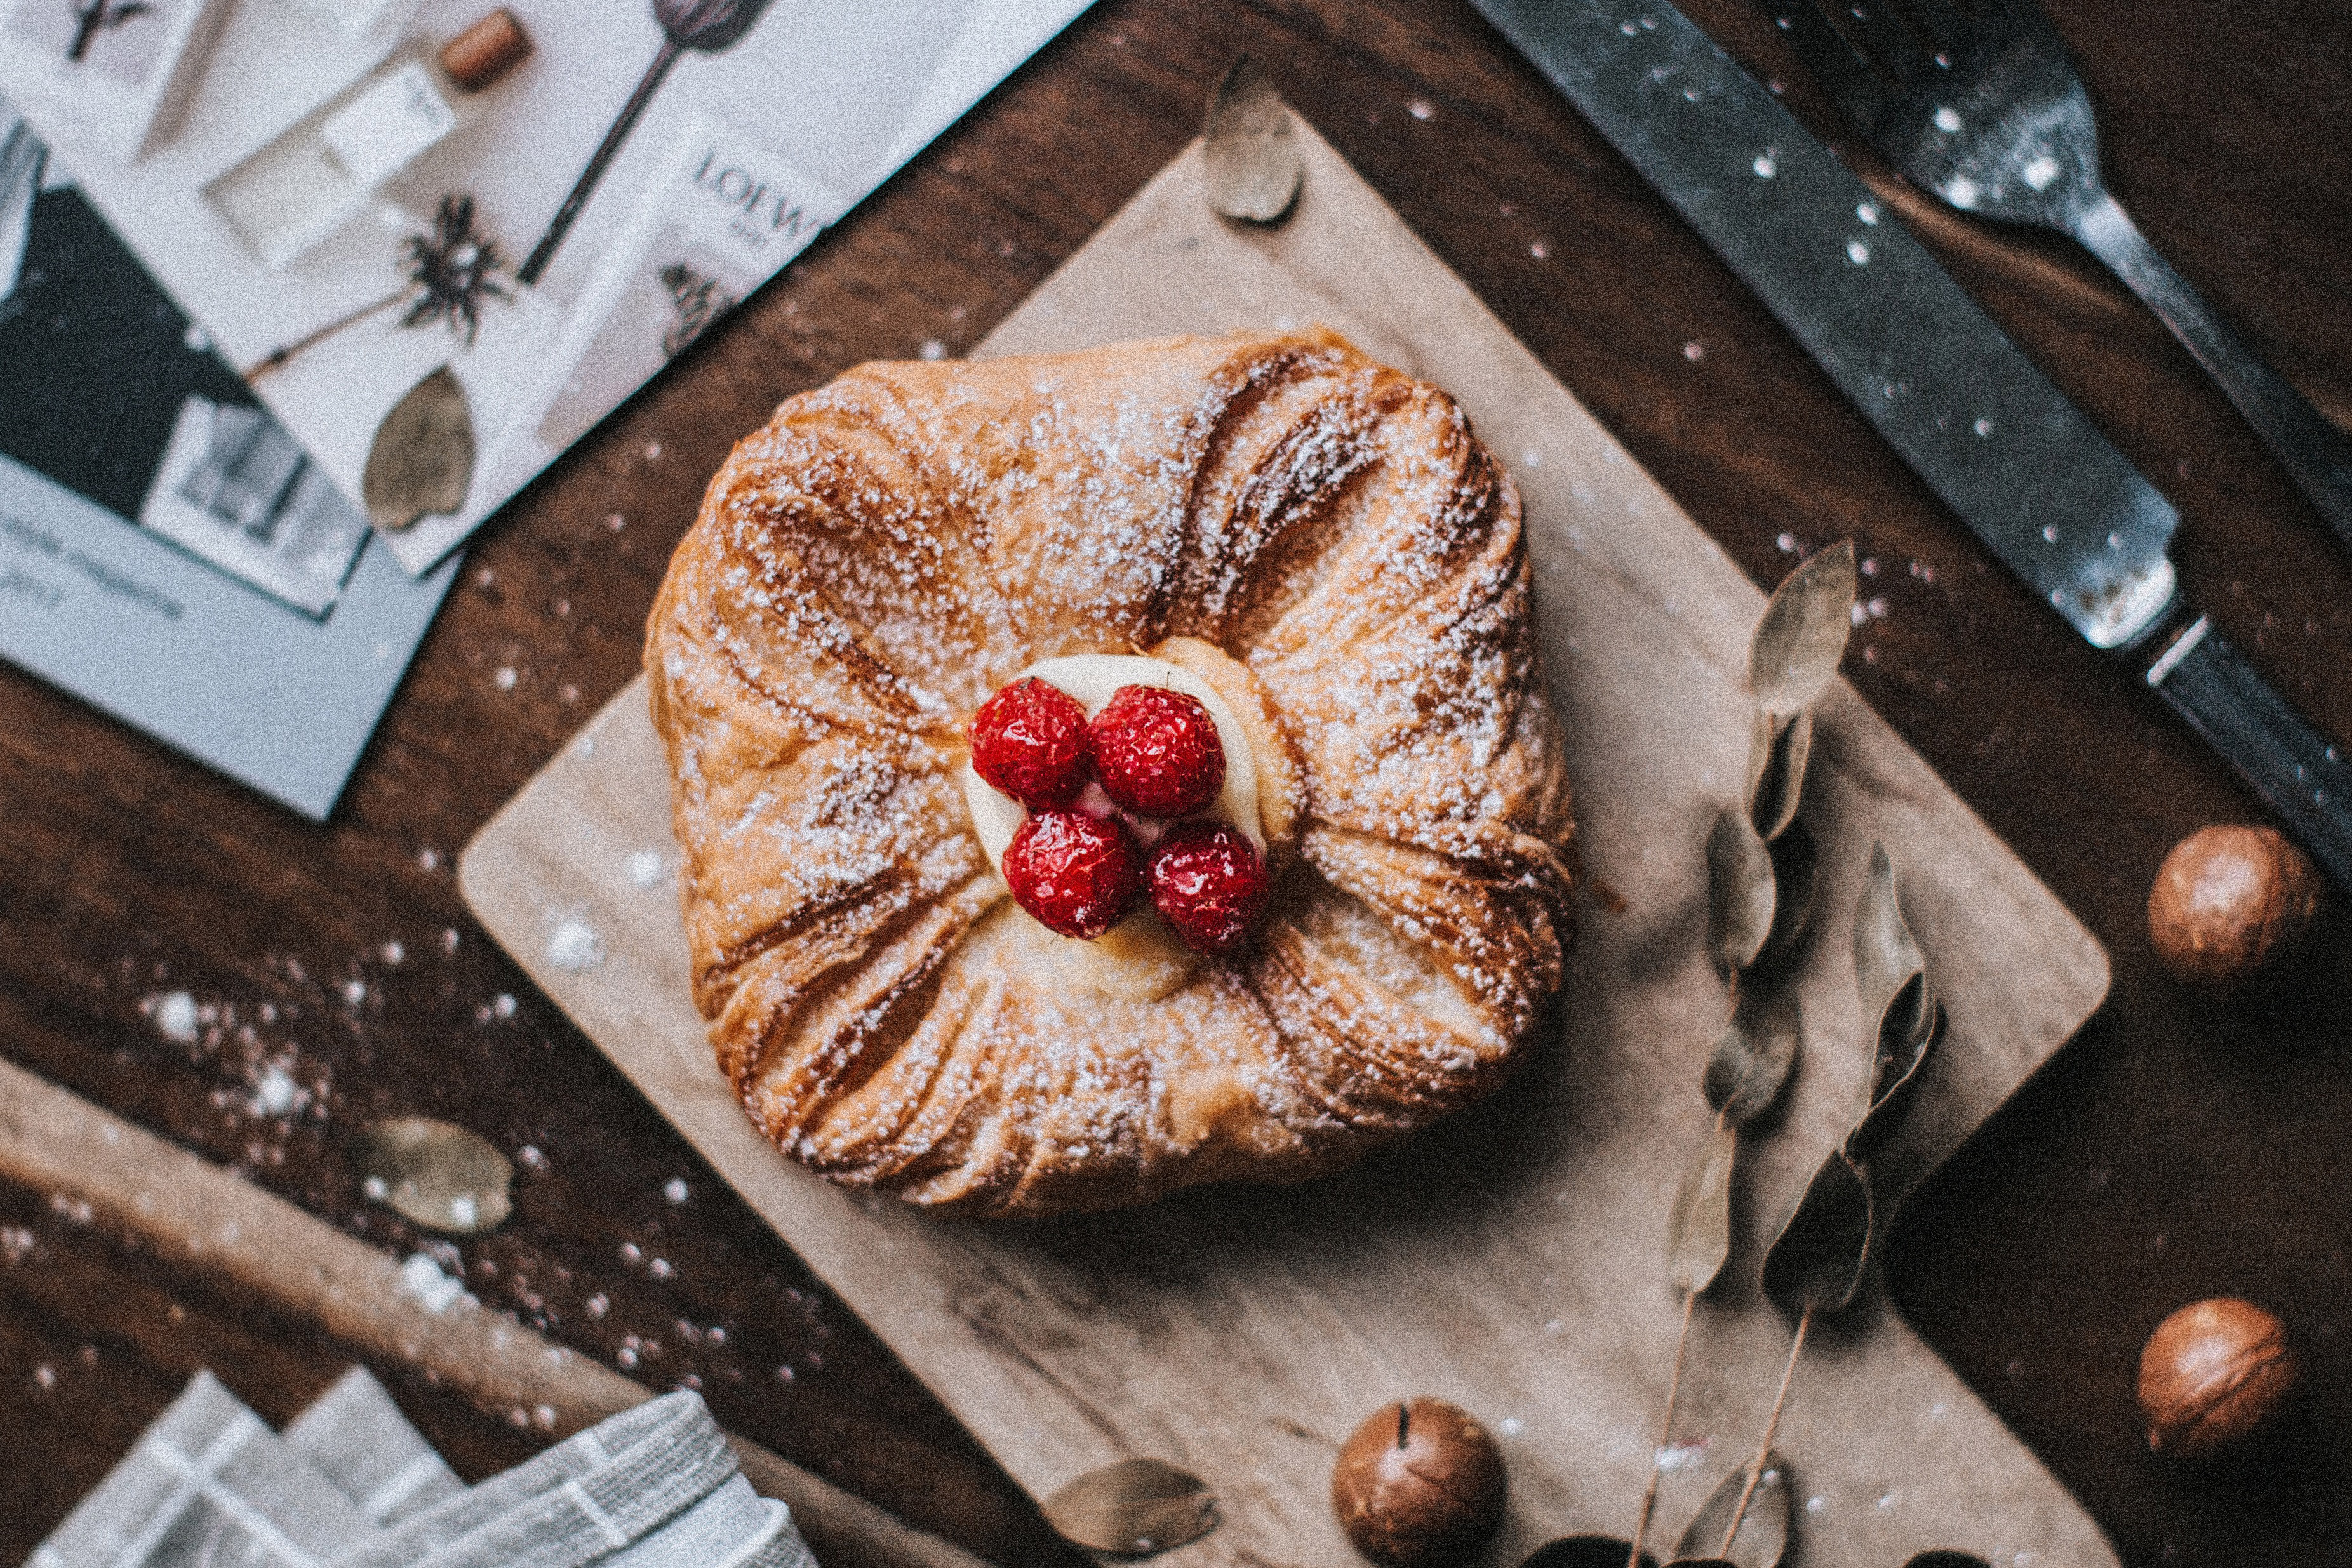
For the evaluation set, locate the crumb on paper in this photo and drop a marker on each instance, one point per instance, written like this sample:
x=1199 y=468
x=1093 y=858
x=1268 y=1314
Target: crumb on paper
x=675 y=1190
x=1510 y=1425
x=645 y=867
x=421 y=1278
x=575 y=946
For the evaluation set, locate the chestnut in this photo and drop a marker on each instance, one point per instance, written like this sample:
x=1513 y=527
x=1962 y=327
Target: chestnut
x=2230 y=901
x=1419 y=1485
x=2213 y=1375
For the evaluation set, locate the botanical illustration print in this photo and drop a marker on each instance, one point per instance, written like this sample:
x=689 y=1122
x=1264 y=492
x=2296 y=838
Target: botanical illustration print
x=107 y=390
x=696 y=301
x=122 y=38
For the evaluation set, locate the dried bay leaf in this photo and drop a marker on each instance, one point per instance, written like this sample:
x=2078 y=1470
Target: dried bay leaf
x=1796 y=868
x=1134 y=1508
x=1804 y=632
x=1885 y=954
x=1249 y=151
x=1891 y=976
x=1764 y=1532
x=1906 y=1034
x=422 y=461
x=1776 y=770
x=1816 y=1263
x=436 y=1173
x=1698 y=1230
x=1752 y=1059
x=1739 y=893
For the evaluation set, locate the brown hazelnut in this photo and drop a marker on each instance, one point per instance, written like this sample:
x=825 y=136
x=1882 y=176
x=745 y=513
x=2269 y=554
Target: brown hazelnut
x=2212 y=1373
x=2229 y=900
x=1418 y=1485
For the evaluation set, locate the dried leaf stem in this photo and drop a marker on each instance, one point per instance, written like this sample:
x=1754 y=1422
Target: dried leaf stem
x=1771 y=1430
x=1750 y=919
x=1665 y=1429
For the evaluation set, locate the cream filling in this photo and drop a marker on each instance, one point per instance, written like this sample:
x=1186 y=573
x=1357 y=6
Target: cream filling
x=1091 y=678
x=1141 y=958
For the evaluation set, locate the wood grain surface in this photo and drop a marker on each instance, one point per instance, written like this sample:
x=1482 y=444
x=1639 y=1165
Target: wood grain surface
x=1511 y=1261
x=2178 y=1148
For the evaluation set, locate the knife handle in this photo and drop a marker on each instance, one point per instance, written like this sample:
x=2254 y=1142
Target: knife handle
x=2291 y=766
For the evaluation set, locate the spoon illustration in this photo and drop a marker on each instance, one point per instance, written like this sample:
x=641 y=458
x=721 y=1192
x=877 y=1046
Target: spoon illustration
x=706 y=26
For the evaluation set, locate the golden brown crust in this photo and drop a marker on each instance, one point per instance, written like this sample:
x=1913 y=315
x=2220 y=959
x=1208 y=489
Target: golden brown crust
x=893 y=547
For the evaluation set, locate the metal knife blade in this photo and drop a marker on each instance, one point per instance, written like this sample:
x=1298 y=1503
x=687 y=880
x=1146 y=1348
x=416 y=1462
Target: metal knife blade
x=2022 y=466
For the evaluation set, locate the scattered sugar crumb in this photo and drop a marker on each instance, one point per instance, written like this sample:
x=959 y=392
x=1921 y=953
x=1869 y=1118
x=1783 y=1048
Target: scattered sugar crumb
x=355 y=991
x=1787 y=543
x=1680 y=1455
x=675 y=1190
x=1694 y=351
x=1815 y=1504
x=598 y=1305
x=276 y=1092
x=653 y=451
x=175 y=1015
x=532 y=1158
x=659 y=1268
x=505 y=677
x=502 y=1005
x=614 y=522
x=429 y=858
x=1421 y=109
x=1539 y=250
x=645 y=867
x=933 y=349
x=464 y=1210
x=449 y=939
x=575 y=946
x=1510 y=1425
x=394 y=954
x=421 y=1278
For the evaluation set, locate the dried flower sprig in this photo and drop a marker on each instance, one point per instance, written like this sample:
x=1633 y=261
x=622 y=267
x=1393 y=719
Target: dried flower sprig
x=1760 y=863
x=1816 y=1266
x=447 y=272
x=92 y=18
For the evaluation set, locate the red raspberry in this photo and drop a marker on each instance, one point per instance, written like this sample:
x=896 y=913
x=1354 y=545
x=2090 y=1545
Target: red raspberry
x=1156 y=752
x=1029 y=741
x=1210 y=882
x=1077 y=874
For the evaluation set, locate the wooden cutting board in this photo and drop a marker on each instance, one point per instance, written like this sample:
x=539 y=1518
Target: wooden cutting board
x=1509 y=1260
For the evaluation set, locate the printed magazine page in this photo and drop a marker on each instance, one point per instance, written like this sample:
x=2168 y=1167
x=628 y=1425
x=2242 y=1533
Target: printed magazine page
x=440 y=239
x=167 y=551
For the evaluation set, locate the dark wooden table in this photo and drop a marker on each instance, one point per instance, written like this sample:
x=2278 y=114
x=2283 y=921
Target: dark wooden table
x=2178 y=1148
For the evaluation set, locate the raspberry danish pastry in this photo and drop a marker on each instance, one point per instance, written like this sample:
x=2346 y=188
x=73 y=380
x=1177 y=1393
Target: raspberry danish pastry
x=1107 y=772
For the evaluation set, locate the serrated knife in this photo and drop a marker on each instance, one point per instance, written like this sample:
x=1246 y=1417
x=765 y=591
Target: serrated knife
x=2023 y=467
